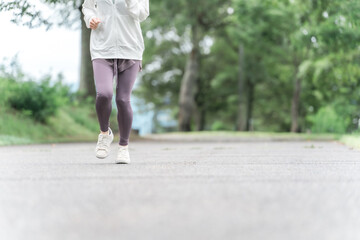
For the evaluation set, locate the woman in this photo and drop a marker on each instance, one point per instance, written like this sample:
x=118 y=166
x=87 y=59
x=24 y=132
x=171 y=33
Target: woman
x=116 y=47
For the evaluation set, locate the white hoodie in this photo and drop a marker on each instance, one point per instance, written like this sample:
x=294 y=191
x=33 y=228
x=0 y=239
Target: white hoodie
x=119 y=33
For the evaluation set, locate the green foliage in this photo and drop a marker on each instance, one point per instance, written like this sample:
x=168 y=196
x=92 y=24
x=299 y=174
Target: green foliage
x=82 y=113
x=42 y=111
x=327 y=120
x=218 y=125
x=38 y=99
x=28 y=13
x=314 y=41
x=18 y=128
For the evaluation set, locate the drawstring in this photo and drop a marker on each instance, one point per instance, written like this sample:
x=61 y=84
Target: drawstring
x=115 y=67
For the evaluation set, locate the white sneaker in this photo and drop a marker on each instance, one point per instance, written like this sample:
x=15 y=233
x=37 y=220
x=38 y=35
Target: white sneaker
x=123 y=154
x=103 y=145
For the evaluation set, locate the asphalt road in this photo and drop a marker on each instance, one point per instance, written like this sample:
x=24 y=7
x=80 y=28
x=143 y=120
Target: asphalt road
x=181 y=190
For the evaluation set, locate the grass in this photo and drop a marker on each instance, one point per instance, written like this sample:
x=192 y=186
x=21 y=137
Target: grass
x=12 y=140
x=254 y=135
x=79 y=124
x=352 y=140
x=70 y=124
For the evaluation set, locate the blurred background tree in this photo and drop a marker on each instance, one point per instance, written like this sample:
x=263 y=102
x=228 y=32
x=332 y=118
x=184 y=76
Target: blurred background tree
x=63 y=13
x=260 y=65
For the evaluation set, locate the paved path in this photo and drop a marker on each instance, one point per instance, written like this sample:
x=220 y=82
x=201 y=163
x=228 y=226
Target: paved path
x=188 y=190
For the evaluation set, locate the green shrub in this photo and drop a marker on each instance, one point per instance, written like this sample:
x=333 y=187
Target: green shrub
x=218 y=125
x=38 y=99
x=5 y=89
x=327 y=120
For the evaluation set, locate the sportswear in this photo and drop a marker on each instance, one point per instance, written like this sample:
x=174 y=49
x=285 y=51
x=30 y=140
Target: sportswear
x=119 y=33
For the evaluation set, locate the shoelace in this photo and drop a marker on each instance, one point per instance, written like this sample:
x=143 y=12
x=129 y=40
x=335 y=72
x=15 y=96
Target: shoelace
x=101 y=142
x=122 y=152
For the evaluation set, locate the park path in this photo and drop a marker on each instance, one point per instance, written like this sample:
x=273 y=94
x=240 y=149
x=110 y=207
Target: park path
x=181 y=190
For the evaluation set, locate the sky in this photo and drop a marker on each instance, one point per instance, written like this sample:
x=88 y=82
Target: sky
x=41 y=52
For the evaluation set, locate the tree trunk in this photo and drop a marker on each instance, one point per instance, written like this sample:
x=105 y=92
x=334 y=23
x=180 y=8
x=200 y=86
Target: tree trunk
x=202 y=85
x=186 y=98
x=200 y=106
x=249 y=106
x=87 y=84
x=295 y=103
x=202 y=120
x=240 y=126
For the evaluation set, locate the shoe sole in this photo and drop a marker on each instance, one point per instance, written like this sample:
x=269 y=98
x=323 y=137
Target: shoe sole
x=102 y=157
x=122 y=162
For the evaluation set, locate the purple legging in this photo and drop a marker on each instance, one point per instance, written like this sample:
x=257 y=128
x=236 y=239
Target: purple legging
x=125 y=71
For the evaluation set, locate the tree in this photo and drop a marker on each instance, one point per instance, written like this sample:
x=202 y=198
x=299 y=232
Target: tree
x=190 y=21
x=69 y=14
x=325 y=30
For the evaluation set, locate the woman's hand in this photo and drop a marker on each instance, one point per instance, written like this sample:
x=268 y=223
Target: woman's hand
x=94 y=23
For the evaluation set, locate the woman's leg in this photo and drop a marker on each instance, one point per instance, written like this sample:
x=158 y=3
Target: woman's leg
x=103 y=75
x=125 y=83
